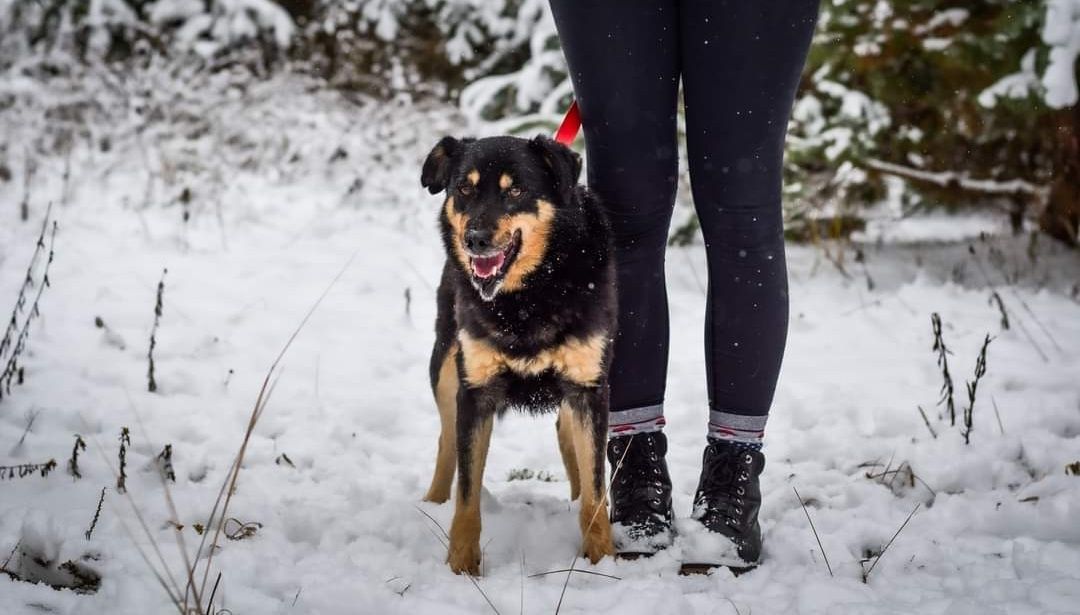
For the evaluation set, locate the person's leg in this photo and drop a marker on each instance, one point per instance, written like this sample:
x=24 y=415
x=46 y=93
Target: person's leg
x=623 y=59
x=741 y=66
x=742 y=60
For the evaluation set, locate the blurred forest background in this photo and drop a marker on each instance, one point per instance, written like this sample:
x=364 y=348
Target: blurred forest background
x=915 y=103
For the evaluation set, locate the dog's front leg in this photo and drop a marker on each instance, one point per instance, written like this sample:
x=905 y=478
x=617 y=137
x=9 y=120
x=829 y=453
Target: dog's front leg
x=474 y=424
x=588 y=414
x=564 y=427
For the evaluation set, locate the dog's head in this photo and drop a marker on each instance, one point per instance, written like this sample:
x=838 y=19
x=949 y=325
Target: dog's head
x=503 y=195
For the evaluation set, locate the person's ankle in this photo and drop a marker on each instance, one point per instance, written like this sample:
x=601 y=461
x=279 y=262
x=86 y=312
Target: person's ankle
x=755 y=445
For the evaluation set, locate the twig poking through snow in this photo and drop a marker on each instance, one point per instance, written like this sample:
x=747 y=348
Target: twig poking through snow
x=814 y=530
x=571 y=570
x=598 y=574
x=26 y=469
x=998 y=415
x=228 y=486
x=11 y=555
x=164 y=463
x=980 y=371
x=445 y=537
x=73 y=463
x=151 y=382
x=97 y=514
x=14 y=341
x=1020 y=323
x=31 y=416
x=943 y=363
x=995 y=298
x=866 y=575
x=125 y=441
x=927 y=421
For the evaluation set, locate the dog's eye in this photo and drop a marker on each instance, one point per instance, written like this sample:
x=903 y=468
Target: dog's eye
x=514 y=192
x=465 y=189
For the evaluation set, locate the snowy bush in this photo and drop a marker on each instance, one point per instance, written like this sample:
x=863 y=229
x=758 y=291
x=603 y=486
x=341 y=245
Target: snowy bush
x=922 y=91
x=416 y=46
x=1060 y=43
x=111 y=30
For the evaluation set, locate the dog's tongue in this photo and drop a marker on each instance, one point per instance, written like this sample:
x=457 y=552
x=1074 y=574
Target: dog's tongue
x=487 y=266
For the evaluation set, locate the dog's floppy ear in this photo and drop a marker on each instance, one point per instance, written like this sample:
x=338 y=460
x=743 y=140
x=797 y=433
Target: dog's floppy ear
x=436 y=170
x=565 y=164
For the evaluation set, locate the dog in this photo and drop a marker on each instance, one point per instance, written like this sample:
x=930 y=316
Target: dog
x=526 y=317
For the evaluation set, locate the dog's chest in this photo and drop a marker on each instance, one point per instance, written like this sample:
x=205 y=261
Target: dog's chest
x=579 y=360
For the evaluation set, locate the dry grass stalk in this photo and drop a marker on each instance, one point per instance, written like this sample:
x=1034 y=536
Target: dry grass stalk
x=943 y=362
x=73 y=463
x=814 y=530
x=151 y=384
x=13 y=343
x=188 y=601
x=972 y=387
x=571 y=570
x=997 y=414
x=866 y=575
x=444 y=540
x=927 y=421
x=97 y=515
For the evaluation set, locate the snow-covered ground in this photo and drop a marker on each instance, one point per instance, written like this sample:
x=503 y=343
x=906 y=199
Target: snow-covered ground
x=277 y=211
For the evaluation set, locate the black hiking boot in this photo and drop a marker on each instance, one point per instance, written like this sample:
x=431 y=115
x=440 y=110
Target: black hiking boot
x=640 y=494
x=726 y=505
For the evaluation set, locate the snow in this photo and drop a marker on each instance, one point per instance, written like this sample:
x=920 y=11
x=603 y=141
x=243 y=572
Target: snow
x=931 y=228
x=273 y=219
x=1061 y=32
x=1057 y=86
x=1016 y=85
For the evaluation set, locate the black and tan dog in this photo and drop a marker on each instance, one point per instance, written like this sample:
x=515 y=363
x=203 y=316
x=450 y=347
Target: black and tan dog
x=526 y=314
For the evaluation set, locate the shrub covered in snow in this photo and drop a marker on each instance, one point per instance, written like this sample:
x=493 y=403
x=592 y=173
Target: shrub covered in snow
x=913 y=86
x=114 y=30
x=967 y=102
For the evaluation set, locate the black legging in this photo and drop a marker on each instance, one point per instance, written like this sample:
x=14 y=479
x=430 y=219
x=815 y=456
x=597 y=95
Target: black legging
x=740 y=62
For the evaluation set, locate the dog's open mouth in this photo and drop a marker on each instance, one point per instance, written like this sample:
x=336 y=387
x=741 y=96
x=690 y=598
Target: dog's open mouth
x=488 y=269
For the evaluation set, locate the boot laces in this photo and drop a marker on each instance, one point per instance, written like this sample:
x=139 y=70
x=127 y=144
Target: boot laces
x=640 y=480
x=723 y=484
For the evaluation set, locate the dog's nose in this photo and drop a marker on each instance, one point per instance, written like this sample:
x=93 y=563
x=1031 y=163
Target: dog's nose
x=477 y=240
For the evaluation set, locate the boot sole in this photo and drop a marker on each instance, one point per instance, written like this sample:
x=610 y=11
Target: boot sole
x=694 y=569
x=633 y=555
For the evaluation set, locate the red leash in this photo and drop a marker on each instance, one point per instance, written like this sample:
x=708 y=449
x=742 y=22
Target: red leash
x=571 y=124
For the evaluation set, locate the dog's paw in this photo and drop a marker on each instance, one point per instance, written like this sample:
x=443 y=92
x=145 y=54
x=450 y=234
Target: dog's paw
x=465 y=559
x=597 y=543
x=436 y=497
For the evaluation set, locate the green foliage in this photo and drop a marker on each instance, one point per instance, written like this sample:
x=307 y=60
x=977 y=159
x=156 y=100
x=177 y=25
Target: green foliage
x=934 y=86
x=923 y=64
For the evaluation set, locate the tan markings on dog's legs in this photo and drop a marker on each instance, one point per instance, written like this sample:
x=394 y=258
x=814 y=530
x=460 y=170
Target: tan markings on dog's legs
x=564 y=428
x=593 y=518
x=446 y=390
x=457 y=222
x=535 y=228
x=464 y=551
x=505 y=181
x=482 y=361
x=474 y=177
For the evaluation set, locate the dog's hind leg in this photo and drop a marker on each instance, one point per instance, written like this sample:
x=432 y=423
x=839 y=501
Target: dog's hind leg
x=564 y=426
x=588 y=420
x=474 y=435
x=446 y=391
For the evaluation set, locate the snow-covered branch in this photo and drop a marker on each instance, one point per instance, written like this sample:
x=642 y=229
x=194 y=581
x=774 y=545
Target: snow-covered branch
x=951 y=179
